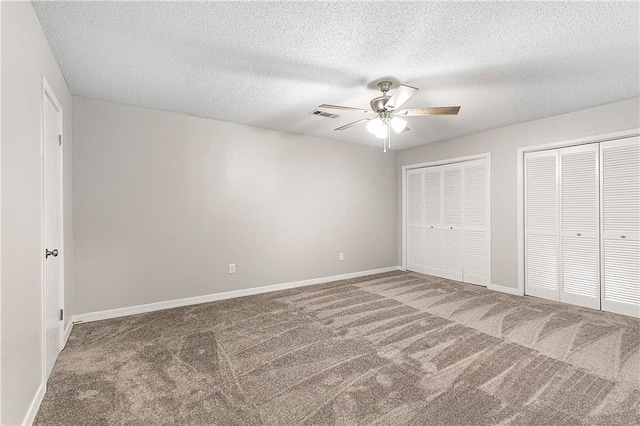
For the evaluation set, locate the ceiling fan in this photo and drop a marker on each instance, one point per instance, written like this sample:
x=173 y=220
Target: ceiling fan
x=388 y=115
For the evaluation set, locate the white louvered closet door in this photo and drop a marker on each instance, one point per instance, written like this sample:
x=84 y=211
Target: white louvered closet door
x=541 y=224
x=415 y=220
x=452 y=222
x=579 y=234
x=620 y=222
x=475 y=227
x=433 y=221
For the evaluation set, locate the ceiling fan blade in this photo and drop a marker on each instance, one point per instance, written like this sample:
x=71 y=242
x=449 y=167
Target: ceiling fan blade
x=401 y=95
x=355 y=123
x=345 y=108
x=419 y=112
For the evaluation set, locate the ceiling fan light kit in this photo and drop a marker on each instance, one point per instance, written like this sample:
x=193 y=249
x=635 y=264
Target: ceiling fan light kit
x=387 y=112
x=398 y=124
x=376 y=127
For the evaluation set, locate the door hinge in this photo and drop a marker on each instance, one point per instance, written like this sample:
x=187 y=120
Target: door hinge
x=59 y=140
x=61 y=314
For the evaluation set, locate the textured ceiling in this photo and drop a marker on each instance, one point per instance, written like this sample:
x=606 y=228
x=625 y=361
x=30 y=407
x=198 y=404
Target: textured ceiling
x=269 y=64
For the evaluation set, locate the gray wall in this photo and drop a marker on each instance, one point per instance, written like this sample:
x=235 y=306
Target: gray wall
x=25 y=58
x=163 y=203
x=503 y=143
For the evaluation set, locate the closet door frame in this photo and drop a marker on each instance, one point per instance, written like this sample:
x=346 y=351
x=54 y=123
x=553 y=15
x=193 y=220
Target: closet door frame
x=483 y=156
x=521 y=182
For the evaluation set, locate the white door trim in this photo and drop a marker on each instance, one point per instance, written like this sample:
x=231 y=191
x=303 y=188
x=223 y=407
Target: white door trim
x=486 y=156
x=520 y=181
x=49 y=95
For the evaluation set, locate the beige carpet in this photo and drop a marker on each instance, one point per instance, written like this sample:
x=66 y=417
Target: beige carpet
x=390 y=349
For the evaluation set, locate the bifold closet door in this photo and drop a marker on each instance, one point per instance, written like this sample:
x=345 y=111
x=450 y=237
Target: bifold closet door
x=579 y=226
x=475 y=218
x=620 y=222
x=433 y=221
x=452 y=222
x=415 y=220
x=541 y=224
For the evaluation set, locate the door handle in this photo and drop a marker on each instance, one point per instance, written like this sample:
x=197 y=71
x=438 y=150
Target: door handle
x=48 y=253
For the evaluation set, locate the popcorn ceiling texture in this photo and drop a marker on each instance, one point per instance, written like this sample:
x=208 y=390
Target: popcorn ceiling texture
x=269 y=64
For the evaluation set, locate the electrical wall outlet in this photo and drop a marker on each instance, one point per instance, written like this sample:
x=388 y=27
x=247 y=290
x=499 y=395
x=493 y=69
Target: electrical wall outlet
x=341 y=256
x=232 y=268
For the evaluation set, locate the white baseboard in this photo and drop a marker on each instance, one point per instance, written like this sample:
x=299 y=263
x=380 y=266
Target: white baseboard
x=35 y=405
x=37 y=399
x=503 y=289
x=67 y=333
x=150 y=307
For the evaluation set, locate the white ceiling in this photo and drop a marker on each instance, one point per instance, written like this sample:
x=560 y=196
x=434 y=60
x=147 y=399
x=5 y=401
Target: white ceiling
x=269 y=64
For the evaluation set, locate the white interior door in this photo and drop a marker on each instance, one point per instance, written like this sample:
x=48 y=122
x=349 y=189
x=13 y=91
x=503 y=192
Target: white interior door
x=433 y=221
x=620 y=222
x=579 y=222
x=541 y=224
x=475 y=229
x=415 y=220
x=52 y=129
x=452 y=222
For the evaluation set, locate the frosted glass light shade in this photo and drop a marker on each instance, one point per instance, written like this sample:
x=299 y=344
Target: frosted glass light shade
x=398 y=124
x=377 y=127
x=382 y=133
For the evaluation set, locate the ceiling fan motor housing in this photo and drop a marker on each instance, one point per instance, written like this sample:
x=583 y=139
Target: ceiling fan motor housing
x=378 y=104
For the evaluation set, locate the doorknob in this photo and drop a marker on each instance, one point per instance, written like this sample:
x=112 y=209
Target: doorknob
x=53 y=253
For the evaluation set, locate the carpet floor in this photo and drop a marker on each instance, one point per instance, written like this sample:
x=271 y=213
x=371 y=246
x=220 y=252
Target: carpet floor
x=389 y=349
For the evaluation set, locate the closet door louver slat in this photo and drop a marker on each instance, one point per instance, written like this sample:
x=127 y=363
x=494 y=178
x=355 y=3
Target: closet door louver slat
x=579 y=238
x=620 y=221
x=415 y=220
x=452 y=222
x=621 y=271
x=541 y=224
x=433 y=221
x=447 y=221
x=475 y=239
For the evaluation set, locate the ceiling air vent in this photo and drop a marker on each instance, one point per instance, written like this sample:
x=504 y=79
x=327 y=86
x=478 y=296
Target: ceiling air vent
x=324 y=114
